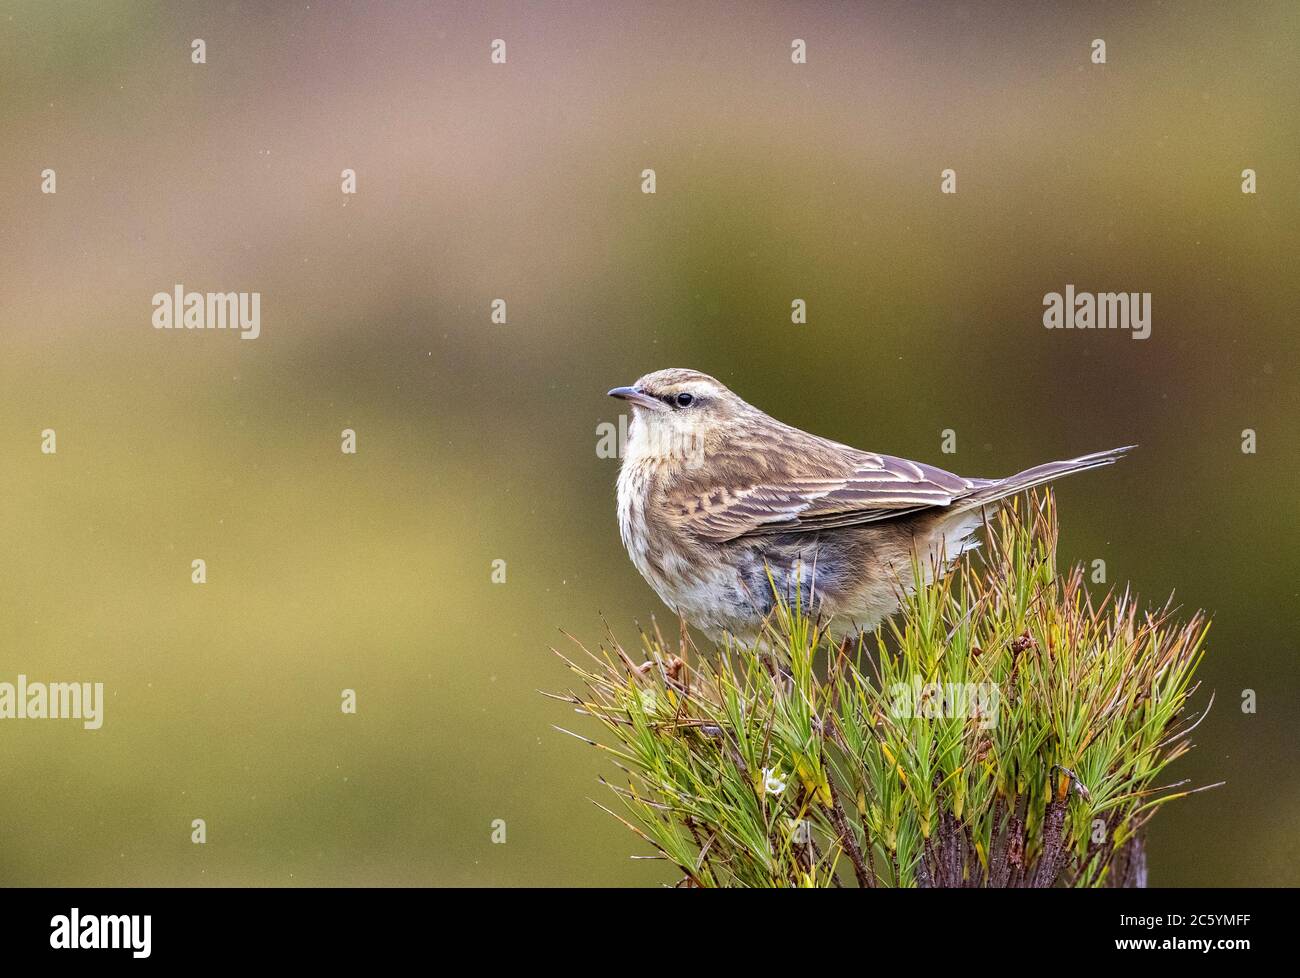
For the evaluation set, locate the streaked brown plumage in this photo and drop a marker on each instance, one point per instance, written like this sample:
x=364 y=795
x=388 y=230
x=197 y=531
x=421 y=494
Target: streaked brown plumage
x=714 y=495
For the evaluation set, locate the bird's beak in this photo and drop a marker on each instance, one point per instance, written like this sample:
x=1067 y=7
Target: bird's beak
x=637 y=397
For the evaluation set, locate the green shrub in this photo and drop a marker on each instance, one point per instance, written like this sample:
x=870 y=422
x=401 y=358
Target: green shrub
x=1003 y=729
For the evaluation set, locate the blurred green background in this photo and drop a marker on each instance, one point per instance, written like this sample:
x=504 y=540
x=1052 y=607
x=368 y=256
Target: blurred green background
x=477 y=441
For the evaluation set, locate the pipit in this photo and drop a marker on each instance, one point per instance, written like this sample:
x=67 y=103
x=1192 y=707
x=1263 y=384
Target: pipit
x=722 y=507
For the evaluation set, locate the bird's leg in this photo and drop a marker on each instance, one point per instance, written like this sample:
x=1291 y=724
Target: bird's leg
x=781 y=675
x=844 y=647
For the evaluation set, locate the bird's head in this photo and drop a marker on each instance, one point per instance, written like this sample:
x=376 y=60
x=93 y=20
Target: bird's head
x=679 y=413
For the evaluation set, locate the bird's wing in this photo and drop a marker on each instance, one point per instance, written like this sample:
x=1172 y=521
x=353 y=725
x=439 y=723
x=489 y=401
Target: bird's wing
x=876 y=487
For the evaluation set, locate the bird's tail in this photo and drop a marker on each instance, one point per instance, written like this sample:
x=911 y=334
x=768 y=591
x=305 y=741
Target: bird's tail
x=998 y=489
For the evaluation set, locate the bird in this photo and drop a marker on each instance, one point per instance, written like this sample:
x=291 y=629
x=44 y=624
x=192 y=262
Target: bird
x=723 y=508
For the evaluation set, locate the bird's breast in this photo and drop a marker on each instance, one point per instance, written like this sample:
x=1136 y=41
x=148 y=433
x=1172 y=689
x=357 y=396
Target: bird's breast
x=666 y=559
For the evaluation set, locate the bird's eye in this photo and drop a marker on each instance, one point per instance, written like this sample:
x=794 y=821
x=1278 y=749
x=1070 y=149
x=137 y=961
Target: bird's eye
x=684 y=400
